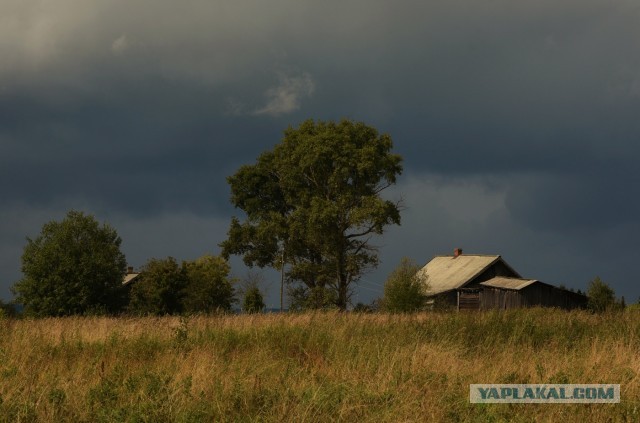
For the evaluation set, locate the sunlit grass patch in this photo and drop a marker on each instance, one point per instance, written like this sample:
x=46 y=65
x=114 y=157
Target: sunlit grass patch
x=312 y=367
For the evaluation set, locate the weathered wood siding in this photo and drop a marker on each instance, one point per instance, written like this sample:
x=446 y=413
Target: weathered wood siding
x=469 y=299
x=500 y=298
x=450 y=298
x=445 y=300
x=537 y=294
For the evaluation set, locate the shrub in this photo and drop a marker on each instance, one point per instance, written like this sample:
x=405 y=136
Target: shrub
x=601 y=296
x=253 y=300
x=404 y=292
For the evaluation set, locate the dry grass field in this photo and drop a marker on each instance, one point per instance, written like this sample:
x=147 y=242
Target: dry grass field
x=313 y=367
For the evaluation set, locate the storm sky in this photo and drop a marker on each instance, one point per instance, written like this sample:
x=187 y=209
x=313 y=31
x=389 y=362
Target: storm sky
x=518 y=121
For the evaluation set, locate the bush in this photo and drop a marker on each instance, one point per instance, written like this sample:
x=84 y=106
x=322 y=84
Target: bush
x=404 y=292
x=253 y=300
x=7 y=310
x=601 y=296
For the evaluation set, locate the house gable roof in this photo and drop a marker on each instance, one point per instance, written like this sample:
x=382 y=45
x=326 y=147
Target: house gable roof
x=445 y=273
x=508 y=283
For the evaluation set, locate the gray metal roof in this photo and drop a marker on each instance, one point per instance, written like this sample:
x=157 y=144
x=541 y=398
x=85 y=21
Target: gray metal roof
x=508 y=283
x=445 y=273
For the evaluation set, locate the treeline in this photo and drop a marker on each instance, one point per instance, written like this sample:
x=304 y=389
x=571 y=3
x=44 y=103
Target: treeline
x=311 y=206
x=166 y=287
x=75 y=267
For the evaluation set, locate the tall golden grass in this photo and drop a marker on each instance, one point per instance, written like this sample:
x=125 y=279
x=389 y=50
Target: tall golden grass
x=313 y=367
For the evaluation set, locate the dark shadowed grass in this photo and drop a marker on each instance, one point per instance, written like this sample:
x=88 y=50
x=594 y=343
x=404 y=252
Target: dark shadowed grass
x=312 y=367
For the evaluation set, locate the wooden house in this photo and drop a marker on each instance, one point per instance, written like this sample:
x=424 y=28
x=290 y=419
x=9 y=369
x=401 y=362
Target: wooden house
x=481 y=282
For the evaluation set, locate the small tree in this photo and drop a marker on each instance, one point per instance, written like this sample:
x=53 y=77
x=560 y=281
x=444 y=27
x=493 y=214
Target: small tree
x=160 y=288
x=601 y=296
x=73 y=267
x=209 y=287
x=250 y=292
x=253 y=300
x=403 y=291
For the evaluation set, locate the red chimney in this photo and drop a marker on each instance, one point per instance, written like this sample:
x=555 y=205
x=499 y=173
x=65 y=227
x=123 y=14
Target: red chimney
x=457 y=252
x=130 y=269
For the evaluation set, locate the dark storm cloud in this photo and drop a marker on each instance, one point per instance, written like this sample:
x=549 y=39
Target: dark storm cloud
x=138 y=110
x=143 y=158
x=595 y=200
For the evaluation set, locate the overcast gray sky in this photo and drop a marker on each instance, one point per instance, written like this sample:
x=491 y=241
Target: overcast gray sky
x=518 y=121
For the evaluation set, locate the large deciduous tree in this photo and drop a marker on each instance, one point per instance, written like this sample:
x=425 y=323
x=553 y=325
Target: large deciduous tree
x=314 y=202
x=73 y=267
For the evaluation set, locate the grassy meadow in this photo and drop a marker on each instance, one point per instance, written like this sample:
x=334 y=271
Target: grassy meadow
x=313 y=367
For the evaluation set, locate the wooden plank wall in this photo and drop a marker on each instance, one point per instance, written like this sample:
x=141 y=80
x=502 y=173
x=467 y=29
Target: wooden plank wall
x=468 y=300
x=537 y=294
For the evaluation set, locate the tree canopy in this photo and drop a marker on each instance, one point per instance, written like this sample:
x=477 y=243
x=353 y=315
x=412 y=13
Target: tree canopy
x=160 y=288
x=313 y=204
x=73 y=267
x=167 y=287
x=209 y=287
